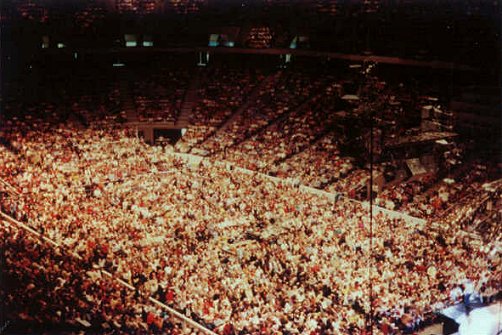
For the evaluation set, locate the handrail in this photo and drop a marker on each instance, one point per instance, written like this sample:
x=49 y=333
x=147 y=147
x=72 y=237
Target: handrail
x=12 y=188
x=170 y=310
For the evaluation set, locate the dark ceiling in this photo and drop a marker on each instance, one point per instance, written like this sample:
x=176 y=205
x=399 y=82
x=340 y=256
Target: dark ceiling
x=463 y=32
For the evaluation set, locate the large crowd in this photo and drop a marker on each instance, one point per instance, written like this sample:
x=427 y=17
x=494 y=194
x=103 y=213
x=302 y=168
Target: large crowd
x=279 y=104
x=288 y=135
x=439 y=196
x=45 y=289
x=318 y=165
x=221 y=92
x=237 y=252
x=289 y=124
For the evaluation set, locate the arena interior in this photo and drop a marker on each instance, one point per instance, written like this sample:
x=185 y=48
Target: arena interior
x=250 y=167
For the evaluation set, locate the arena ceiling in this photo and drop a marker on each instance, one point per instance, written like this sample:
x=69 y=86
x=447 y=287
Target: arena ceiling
x=466 y=32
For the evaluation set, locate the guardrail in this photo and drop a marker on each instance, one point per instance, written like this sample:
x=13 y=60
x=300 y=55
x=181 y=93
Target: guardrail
x=9 y=187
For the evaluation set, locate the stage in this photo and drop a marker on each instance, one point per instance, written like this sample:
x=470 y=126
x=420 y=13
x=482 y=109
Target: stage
x=486 y=320
x=482 y=321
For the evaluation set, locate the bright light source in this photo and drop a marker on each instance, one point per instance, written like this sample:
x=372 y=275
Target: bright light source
x=214 y=40
x=61 y=45
x=130 y=40
x=45 y=42
x=294 y=43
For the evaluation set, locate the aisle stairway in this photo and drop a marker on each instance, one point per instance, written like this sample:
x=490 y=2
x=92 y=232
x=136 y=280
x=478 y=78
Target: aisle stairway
x=128 y=105
x=191 y=97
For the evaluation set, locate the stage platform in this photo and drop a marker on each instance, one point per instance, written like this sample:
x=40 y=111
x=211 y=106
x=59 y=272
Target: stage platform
x=485 y=320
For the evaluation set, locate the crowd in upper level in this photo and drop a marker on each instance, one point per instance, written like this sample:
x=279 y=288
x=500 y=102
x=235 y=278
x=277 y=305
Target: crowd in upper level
x=221 y=93
x=159 y=94
x=288 y=123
